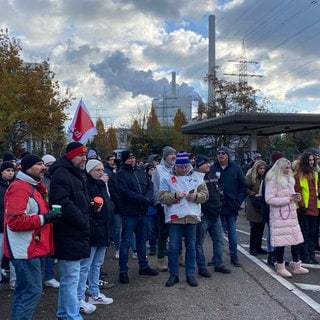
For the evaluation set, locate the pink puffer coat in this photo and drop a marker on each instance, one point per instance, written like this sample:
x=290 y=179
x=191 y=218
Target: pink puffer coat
x=284 y=225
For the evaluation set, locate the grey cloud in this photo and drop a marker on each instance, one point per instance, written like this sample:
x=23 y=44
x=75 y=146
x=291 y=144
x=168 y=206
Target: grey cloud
x=117 y=73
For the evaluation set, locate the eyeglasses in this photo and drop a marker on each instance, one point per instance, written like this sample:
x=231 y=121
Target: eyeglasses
x=221 y=153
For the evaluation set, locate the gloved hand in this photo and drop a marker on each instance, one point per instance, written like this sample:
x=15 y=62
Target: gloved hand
x=302 y=210
x=51 y=216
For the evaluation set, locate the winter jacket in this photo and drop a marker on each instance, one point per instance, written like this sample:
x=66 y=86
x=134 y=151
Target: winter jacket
x=3 y=188
x=25 y=234
x=212 y=208
x=234 y=186
x=100 y=221
x=284 y=225
x=253 y=214
x=176 y=208
x=68 y=188
x=309 y=189
x=135 y=190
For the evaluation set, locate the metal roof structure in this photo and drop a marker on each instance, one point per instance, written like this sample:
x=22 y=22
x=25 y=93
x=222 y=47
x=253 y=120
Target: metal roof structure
x=254 y=123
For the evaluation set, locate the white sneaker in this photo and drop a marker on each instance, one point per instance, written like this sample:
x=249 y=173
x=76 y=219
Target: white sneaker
x=52 y=283
x=117 y=254
x=100 y=299
x=86 y=307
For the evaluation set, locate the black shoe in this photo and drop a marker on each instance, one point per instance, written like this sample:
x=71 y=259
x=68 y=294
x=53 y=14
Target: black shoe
x=192 y=281
x=210 y=263
x=123 y=277
x=172 y=281
x=152 y=252
x=262 y=251
x=148 y=272
x=222 y=269
x=235 y=261
x=271 y=259
x=314 y=260
x=203 y=272
x=253 y=252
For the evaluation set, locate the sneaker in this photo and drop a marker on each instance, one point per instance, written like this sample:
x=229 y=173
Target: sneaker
x=134 y=255
x=117 y=254
x=12 y=285
x=123 y=277
x=52 y=283
x=86 y=307
x=192 y=281
x=100 y=299
x=148 y=272
x=105 y=284
x=172 y=281
x=222 y=269
x=203 y=272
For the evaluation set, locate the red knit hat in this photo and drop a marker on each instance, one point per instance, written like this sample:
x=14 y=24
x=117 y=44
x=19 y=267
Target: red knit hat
x=74 y=149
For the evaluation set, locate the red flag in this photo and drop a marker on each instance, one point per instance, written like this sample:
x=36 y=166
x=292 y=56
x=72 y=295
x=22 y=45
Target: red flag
x=82 y=127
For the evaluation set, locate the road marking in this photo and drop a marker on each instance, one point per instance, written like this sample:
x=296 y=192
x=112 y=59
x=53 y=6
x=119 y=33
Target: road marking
x=308 y=287
x=291 y=287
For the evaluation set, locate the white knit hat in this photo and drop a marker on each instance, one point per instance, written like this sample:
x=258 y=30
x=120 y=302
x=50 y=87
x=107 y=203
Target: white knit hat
x=91 y=164
x=48 y=158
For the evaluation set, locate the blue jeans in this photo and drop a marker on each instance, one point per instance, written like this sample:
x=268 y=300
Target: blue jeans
x=90 y=270
x=214 y=227
x=68 y=302
x=48 y=268
x=152 y=230
x=270 y=248
x=137 y=225
x=28 y=287
x=231 y=226
x=176 y=233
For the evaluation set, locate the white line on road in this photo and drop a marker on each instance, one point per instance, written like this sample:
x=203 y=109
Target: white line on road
x=307 y=286
x=291 y=287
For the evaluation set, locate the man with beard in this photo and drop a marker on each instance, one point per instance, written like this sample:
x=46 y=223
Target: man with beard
x=28 y=233
x=71 y=232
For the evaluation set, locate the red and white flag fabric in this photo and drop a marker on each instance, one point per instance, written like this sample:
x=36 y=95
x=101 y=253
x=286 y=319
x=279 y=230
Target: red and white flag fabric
x=82 y=127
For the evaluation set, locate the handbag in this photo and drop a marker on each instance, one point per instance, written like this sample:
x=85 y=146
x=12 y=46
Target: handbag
x=256 y=201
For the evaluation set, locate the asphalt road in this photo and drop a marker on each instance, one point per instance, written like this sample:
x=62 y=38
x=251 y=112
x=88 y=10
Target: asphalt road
x=251 y=292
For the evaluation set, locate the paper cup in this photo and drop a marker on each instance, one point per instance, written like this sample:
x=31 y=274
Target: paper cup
x=218 y=174
x=56 y=208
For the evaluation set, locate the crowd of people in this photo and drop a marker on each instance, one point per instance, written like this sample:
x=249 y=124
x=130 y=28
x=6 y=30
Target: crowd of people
x=68 y=210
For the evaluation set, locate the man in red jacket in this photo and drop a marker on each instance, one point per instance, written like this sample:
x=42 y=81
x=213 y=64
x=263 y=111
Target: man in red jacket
x=28 y=233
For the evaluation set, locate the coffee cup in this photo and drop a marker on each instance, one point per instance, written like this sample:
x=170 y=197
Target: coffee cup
x=56 y=208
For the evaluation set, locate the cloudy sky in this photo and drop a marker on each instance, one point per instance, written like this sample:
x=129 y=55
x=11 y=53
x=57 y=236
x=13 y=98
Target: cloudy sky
x=119 y=54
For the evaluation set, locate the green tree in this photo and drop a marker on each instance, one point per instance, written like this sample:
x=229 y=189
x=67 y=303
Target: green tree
x=31 y=104
x=100 y=139
x=112 y=141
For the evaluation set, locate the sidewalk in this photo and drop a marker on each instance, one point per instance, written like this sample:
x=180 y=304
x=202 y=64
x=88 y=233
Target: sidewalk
x=247 y=293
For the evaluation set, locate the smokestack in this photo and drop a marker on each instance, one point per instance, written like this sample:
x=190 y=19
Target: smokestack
x=173 y=85
x=211 y=58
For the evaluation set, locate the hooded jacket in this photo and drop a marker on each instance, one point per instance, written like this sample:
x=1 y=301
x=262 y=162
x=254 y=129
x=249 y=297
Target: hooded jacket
x=25 y=234
x=68 y=189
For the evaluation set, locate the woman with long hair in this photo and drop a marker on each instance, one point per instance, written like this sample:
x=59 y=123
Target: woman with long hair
x=284 y=226
x=307 y=184
x=254 y=179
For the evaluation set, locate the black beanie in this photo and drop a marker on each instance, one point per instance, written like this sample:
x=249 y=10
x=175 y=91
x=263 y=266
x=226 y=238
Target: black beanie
x=126 y=154
x=8 y=156
x=28 y=161
x=201 y=159
x=6 y=165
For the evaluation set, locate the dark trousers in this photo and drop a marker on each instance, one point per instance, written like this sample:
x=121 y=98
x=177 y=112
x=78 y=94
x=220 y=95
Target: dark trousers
x=308 y=228
x=294 y=252
x=256 y=234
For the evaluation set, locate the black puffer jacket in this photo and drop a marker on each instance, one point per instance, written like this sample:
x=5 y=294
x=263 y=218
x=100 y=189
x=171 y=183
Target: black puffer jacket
x=68 y=189
x=100 y=221
x=3 y=188
x=135 y=190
